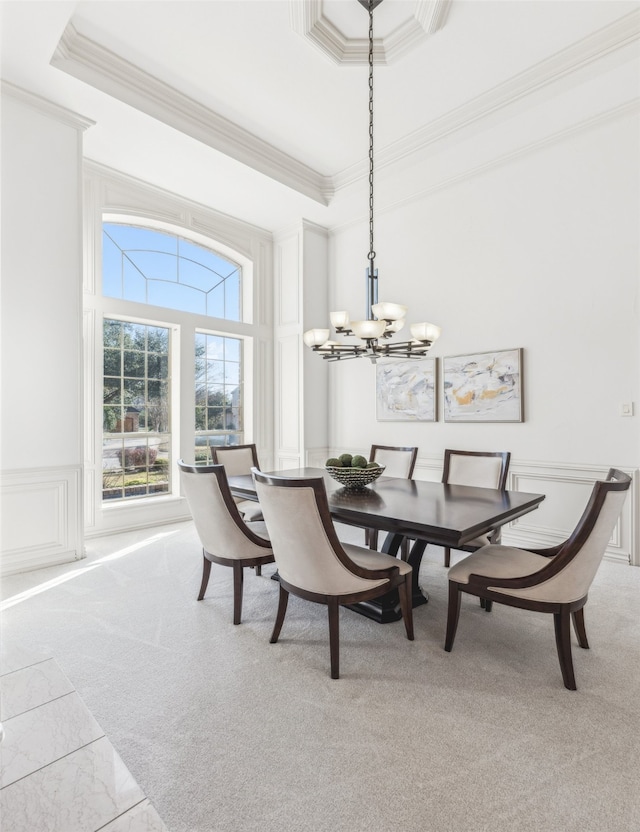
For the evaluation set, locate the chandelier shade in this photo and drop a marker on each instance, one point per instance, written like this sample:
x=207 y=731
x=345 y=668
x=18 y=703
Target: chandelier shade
x=384 y=318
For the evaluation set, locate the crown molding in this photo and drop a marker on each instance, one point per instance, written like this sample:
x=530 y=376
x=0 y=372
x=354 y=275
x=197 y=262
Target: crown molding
x=61 y=114
x=502 y=97
x=624 y=110
x=79 y=56
x=308 y=20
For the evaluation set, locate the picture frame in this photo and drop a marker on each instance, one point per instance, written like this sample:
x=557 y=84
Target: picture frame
x=483 y=387
x=406 y=391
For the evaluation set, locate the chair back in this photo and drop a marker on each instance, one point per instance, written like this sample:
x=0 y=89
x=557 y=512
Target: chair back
x=305 y=545
x=483 y=469
x=573 y=569
x=237 y=459
x=399 y=462
x=220 y=527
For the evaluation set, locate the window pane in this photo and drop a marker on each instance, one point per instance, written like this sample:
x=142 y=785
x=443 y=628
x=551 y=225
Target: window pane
x=112 y=359
x=231 y=372
x=162 y=269
x=133 y=364
x=219 y=386
x=136 y=433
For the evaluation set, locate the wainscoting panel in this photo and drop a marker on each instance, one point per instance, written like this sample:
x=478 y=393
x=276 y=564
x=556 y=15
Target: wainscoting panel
x=41 y=518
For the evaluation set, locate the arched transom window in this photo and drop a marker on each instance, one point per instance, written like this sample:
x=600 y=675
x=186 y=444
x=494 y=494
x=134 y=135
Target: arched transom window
x=162 y=269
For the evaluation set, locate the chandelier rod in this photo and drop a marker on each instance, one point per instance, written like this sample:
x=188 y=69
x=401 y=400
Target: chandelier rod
x=372 y=274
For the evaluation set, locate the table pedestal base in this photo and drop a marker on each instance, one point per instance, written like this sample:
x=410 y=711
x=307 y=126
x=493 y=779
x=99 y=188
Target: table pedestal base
x=386 y=609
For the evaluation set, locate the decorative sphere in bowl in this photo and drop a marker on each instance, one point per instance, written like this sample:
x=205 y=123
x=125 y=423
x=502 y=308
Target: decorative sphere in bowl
x=354 y=479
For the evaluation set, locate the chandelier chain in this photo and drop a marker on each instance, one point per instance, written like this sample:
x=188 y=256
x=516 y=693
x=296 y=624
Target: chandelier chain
x=382 y=320
x=372 y=253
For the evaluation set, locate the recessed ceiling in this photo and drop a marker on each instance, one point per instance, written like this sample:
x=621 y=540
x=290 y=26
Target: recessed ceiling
x=227 y=103
x=340 y=29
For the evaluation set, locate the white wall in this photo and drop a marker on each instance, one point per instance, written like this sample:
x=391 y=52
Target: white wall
x=538 y=250
x=41 y=444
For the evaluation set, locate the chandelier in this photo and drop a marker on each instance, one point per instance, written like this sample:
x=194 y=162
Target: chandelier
x=384 y=319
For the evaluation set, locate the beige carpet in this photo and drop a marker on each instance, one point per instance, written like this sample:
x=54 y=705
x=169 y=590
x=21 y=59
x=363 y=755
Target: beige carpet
x=225 y=732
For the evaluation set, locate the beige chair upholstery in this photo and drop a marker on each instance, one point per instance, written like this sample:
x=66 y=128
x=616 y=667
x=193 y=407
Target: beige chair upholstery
x=554 y=580
x=239 y=460
x=313 y=564
x=226 y=538
x=399 y=462
x=483 y=469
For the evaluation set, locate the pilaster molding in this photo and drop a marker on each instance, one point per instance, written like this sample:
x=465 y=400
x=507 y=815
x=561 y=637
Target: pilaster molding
x=43 y=105
x=79 y=56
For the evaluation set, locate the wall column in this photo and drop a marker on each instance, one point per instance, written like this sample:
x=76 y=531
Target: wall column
x=301 y=378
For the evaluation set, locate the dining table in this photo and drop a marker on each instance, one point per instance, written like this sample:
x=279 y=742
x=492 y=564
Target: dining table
x=421 y=510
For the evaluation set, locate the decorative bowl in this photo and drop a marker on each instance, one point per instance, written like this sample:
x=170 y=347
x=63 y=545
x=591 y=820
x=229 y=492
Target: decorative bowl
x=354 y=479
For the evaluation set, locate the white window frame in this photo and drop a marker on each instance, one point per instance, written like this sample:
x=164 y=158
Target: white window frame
x=252 y=250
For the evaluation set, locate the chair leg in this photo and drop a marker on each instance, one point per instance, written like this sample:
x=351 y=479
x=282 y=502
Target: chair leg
x=578 y=626
x=334 y=637
x=405 y=591
x=206 y=571
x=488 y=605
x=238 y=580
x=563 y=643
x=282 y=611
x=452 y=615
x=259 y=570
x=447 y=556
x=373 y=539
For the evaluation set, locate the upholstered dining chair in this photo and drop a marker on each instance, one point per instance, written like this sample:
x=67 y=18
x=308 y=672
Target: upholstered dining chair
x=554 y=580
x=313 y=563
x=399 y=462
x=485 y=469
x=239 y=460
x=225 y=537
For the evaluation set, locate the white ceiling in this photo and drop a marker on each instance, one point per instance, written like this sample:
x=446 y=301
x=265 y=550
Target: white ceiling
x=230 y=103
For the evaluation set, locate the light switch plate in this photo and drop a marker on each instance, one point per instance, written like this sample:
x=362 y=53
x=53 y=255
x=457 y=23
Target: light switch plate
x=626 y=409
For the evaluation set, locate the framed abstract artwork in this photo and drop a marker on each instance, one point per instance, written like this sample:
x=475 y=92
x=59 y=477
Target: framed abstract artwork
x=483 y=387
x=406 y=391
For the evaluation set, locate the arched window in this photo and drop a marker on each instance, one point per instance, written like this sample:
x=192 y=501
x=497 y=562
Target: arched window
x=163 y=269
x=144 y=268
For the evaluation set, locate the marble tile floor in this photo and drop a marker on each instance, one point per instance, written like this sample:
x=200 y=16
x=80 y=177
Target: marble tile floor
x=58 y=771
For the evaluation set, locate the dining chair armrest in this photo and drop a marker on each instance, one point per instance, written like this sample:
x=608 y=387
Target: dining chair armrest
x=549 y=552
x=255 y=538
x=374 y=574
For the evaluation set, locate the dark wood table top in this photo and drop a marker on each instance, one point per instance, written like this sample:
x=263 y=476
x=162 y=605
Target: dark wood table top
x=447 y=515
